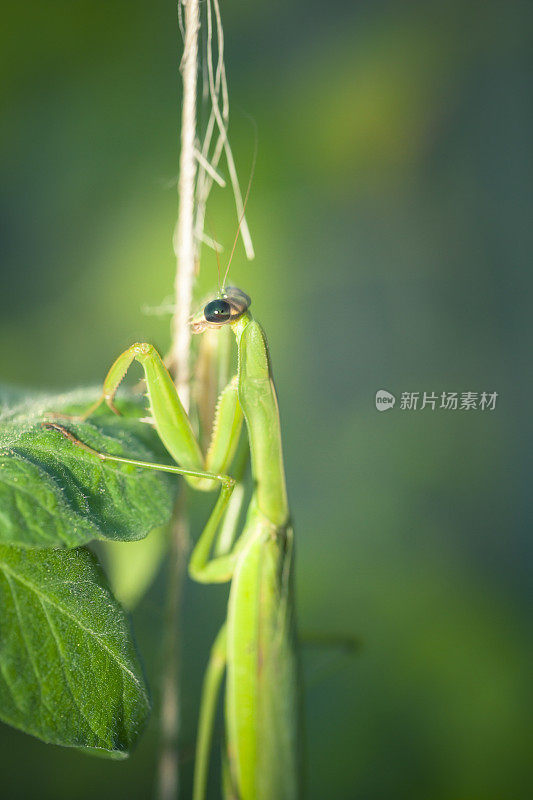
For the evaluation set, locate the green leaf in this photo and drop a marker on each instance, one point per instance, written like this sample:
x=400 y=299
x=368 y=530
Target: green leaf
x=69 y=673
x=54 y=493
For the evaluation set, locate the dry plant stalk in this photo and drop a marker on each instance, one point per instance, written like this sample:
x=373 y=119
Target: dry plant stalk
x=184 y=248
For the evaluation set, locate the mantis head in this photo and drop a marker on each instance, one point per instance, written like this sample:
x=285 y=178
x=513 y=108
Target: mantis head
x=225 y=308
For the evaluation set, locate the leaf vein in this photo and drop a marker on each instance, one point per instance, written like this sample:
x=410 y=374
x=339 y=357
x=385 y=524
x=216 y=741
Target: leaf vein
x=77 y=622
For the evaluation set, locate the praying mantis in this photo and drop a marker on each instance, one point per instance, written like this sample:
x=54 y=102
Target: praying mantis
x=256 y=646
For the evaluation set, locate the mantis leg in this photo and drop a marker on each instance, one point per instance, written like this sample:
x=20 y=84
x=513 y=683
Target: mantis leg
x=227 y=483
x=228 y=528
x=170 y=419
x=211 y=687
x=338 y=645
x=226 y=435
x=204 y=568
x=227 y=427
x=342 y=642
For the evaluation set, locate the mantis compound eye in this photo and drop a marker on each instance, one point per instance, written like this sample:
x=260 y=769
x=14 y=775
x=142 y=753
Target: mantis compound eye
x=217 y=311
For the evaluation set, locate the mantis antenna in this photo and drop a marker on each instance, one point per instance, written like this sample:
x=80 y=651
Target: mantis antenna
x=215 y=245
x=241 y=217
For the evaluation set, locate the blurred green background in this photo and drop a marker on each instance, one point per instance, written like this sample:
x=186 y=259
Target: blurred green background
x=391 y=210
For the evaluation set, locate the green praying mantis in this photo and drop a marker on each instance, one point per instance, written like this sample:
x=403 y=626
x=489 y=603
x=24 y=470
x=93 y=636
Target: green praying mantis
x=256 y=647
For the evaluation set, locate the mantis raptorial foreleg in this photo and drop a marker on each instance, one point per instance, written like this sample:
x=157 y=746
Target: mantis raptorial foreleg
x=175 y=431
x=169 y=417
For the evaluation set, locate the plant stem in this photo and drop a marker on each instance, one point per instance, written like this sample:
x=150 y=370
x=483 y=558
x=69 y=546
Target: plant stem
x=184 y=248
x=168 y=766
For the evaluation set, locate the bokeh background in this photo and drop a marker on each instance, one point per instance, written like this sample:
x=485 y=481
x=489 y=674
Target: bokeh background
x=391 y=209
